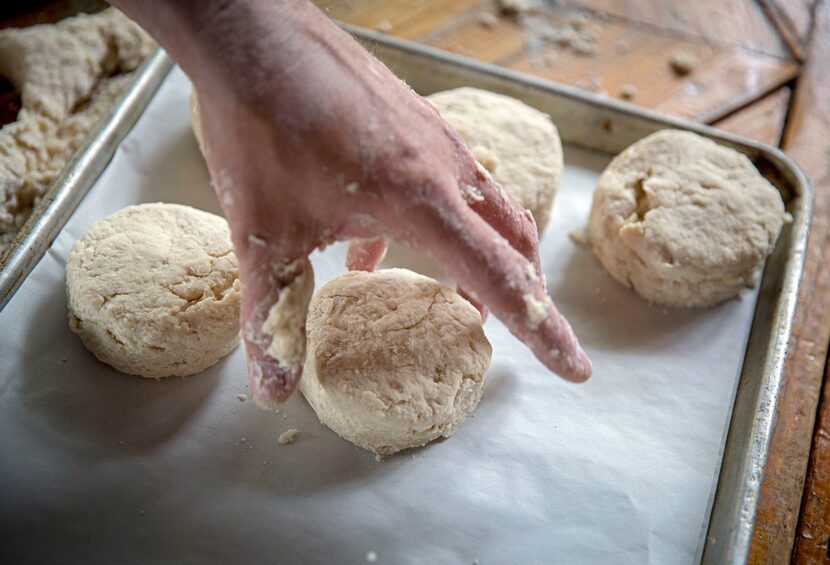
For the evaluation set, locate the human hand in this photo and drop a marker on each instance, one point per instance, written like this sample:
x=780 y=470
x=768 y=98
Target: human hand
x=311 y=140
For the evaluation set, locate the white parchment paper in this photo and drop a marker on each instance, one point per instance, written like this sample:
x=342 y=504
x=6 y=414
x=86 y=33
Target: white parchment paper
x=96 y=466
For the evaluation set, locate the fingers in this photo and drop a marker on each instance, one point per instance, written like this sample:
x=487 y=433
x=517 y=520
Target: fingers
x=496 y=274
x=365 y=254
x=275 y=300
x=499 y=209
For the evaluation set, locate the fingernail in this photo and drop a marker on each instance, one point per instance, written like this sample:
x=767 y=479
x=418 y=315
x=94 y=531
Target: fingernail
x=584 y=368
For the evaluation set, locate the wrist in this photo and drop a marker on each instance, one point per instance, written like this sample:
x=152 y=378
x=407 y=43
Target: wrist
x=213 y=39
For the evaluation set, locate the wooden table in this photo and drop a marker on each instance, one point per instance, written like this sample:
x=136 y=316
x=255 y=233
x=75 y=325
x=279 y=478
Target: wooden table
x=761 y=69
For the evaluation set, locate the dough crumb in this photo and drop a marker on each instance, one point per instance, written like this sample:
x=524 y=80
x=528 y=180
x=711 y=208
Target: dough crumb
x=788 y=218
x=628 y=92
x=488 y=20
x=255 y=240
x=516 y=7
x=471 y=194
x=530 y=272
x=288 y=436
x=371 y=556
x=242 y=397
x=352 y=188
x=682 y=63
x=537 y=310
x=384 y=26
x=582 y=46
x=579 y=236
x=591 y=84
x=242 y=440
x=378 y=458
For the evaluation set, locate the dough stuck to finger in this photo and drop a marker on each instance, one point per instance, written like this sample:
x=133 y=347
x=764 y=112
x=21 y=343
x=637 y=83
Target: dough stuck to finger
x=684 y=221
x=394 y=359
x=153 y=290
x=517 y=144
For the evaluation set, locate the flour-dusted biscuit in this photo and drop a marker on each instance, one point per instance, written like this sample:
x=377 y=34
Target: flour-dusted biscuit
x=517 y=144
x=153 y=290
x=394 y=359
x=684 y=221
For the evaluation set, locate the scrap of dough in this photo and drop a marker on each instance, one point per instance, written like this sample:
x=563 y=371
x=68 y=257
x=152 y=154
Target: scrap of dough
x=684 y=221
x=288 y=436
x=286 y=319
x=515 y=7
x=520 y=145
x=395 y=359
x=64 y=72
x=153 y=290
x=56 y=66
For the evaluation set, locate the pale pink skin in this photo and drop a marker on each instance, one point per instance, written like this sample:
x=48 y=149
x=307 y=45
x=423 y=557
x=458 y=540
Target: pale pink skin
x=293 y=111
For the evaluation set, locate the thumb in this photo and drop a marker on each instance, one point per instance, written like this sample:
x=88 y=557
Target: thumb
x=275 y=298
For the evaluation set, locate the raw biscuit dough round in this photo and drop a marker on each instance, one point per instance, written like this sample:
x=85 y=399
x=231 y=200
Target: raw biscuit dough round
x=394 y=359
x=684 y=221
x=517 y=144
x=153 y=290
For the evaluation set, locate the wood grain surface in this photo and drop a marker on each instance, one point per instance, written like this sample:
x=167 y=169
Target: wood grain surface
x=741 y=23
x=810 y=146
x=763 y=120
x=793 y=20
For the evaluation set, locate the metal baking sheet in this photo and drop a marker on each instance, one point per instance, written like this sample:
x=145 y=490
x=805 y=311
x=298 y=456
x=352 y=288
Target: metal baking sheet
x=610 y=126
x=179 y=442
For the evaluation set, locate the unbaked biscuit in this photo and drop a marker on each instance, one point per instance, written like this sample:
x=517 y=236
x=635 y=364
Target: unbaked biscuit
x=517 y=144
x=684 y=221
x=153 y=290
x=394 y=359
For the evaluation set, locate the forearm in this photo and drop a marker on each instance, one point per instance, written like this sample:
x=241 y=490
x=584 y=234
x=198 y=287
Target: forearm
x=215 y=40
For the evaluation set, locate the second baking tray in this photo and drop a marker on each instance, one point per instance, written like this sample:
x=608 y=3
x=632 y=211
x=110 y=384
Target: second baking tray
x=608 y=126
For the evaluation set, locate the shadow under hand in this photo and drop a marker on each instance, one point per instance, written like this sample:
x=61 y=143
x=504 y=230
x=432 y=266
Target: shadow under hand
x=403 y=257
